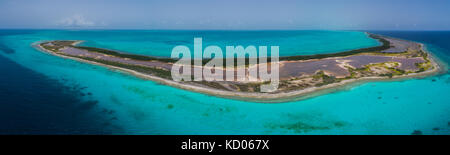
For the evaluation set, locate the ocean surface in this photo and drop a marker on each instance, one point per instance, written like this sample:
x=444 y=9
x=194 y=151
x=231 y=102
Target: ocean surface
x=44 y=94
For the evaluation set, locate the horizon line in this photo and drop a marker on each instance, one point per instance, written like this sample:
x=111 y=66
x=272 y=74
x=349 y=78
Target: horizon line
x=73 y=29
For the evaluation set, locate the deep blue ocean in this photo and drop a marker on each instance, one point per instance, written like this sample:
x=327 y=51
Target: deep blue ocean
x=43 y=94
x=32 y=103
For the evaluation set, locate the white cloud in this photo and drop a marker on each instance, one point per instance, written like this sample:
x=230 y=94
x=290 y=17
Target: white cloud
x=76 y=21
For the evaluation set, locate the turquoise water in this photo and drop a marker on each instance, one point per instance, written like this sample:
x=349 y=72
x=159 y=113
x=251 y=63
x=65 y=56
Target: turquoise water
x=145 y=107
x=160 y=43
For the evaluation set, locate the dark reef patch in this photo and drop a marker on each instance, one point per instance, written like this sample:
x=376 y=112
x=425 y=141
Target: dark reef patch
x=5 y=49
x=225 y=109
x=416 y=132
x=303 y=123
x=185 y=97
x=88 y=104
x=35 y=104
x=303 y=127
x=142 y=92
x=114 y=100
x=169 y=106
x=138 y=114
x=107 y=111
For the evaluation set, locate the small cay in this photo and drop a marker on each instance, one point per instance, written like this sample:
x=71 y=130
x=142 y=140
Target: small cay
x=300 y=76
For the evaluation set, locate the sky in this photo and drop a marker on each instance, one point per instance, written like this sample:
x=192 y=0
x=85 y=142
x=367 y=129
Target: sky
x=226 y=14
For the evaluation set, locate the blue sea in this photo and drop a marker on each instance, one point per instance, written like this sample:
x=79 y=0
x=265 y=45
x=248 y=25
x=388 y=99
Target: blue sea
x=44 y=94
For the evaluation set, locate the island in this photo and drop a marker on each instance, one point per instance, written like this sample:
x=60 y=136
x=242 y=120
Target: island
x=301 y=76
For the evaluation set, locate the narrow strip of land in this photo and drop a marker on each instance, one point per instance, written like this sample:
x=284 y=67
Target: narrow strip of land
x=300 y=76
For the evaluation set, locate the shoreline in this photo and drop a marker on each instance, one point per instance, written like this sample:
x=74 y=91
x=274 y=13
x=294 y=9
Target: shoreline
x=279 y=97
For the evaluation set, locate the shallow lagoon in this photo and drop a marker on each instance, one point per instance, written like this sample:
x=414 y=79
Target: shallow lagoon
x=136 y=106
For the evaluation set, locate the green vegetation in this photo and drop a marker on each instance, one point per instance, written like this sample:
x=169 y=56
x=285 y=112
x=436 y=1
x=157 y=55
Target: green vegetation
x=397 y=71
x=385 y=45
x=390 y=75
x=425 y=65
x=325 y=78
x=353 y=72
x=392 y=70
x=125 y=55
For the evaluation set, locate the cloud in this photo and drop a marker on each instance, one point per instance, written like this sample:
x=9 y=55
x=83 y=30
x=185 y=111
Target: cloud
x=76 y=21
